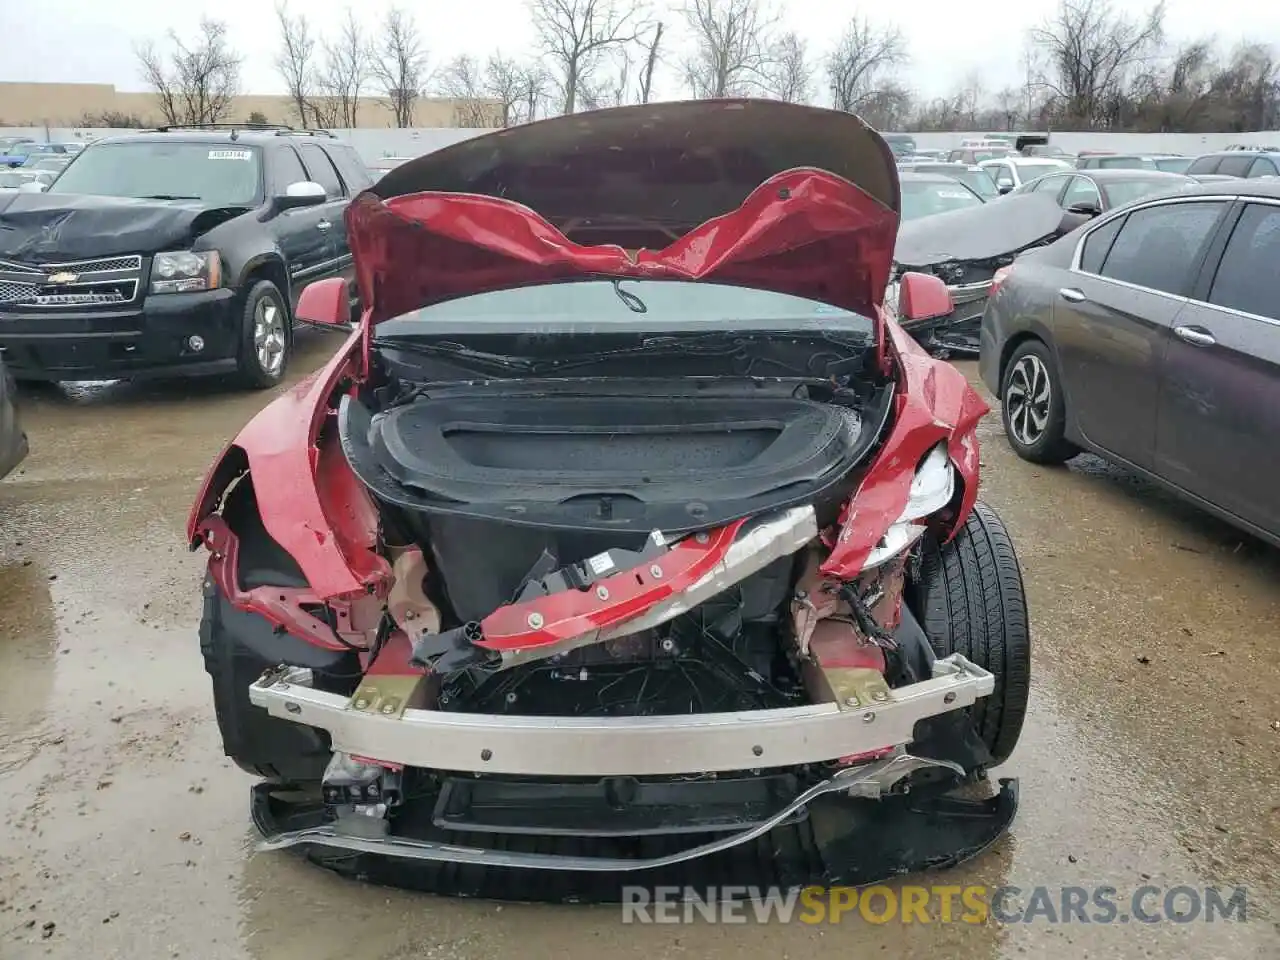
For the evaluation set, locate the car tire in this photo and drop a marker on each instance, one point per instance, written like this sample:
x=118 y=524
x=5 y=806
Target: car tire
x=1032 y=406
x=969 y=599
x=266 y=337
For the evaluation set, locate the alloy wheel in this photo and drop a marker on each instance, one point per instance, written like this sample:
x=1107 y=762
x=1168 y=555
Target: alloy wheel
x=1027 y=396
x=269 y=335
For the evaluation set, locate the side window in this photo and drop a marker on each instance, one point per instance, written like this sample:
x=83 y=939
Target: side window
x=350 y=166
x=286 y=168
x=1160 y=247
x=1263 y=167
x=1050 y=185
x=321 y=169
x=1098 y=244
x=1082 y=190
x=1207 y=164
x=1247 y=279
x=1237 y=166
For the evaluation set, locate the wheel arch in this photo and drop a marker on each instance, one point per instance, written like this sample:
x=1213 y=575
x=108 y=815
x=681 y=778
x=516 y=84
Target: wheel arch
x=268 y=266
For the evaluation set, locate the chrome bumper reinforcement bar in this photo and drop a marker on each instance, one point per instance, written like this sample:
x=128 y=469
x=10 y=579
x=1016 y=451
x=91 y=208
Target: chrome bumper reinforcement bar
x=871 y=779
x=623 y=746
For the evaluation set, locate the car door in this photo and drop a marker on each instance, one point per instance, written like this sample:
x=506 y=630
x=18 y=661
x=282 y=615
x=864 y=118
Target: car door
x=321 y=169
x=1113 y=316
x=1218 y=430
x=306 y=247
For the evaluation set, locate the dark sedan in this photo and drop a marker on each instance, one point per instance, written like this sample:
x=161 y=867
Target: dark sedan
x=1091 y=192
x=1152 y=338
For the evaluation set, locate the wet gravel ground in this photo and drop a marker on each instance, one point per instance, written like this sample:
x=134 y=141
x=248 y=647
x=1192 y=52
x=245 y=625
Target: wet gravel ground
x=1151 y=756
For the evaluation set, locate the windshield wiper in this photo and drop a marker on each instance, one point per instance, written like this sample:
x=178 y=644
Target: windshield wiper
x=448 y=350
x=166 y=196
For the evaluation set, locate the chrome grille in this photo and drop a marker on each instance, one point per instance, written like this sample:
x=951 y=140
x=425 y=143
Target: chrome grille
x=99 y=282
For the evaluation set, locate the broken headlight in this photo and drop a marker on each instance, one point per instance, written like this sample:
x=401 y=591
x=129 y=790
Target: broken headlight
x=932 y=488
x=950 y=273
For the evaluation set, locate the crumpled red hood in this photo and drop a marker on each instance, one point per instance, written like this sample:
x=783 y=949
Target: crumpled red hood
x=804 y=232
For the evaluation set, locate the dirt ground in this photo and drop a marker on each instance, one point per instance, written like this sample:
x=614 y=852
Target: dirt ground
x=1150 y=756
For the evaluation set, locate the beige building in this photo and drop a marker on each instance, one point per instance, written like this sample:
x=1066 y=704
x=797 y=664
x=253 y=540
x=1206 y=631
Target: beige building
x=86 y=104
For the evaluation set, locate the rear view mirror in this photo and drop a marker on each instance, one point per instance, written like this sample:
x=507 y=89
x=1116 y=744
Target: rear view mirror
x=326 y=303
x=922 y=296
x=304 y=193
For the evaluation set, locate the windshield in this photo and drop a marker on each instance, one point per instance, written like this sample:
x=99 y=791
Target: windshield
x=1124 y=163
x=219 y=174
x=1030 y=170
x=926 y=199
x=11 y=179
x=1125 y=191
x=594 y=305
x=1173 y=164
x=900 y=145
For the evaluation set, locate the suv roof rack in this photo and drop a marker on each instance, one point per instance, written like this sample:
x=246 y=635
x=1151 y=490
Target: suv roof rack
x=280 y=129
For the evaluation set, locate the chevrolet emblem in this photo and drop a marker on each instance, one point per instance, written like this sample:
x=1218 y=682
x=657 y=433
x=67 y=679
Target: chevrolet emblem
x=64 y=278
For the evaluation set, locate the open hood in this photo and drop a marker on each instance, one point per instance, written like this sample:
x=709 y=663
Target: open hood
x=992 y=230
x=771 y=195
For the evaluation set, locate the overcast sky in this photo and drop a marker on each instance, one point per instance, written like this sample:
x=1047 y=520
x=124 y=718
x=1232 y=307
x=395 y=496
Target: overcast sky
x=89 y=40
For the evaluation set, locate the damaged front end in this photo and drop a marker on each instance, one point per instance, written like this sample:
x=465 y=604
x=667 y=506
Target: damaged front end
x=965 y=249
x=582 y=563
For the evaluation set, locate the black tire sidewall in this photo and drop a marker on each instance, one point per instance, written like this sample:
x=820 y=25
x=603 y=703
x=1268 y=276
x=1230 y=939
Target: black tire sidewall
x=247 y=366
x=1052 y=446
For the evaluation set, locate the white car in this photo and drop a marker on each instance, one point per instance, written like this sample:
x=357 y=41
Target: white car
x=1009 y=173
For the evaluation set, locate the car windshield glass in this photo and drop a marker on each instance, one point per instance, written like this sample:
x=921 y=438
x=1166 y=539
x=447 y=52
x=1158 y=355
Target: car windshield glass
x=219 y=174
x=1125 y=163
x=926 y=199
x=595 y=304
x=1124 y=191
x=1173 y=164
x=12 y=180
x=1030 y=171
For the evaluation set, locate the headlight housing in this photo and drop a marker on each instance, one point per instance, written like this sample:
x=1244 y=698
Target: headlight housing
x=182 y=271
x=932 y=488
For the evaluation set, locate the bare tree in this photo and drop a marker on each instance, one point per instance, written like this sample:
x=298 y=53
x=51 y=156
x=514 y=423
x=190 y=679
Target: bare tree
x=399 y=64
x=538 y=86
x=463 y=80
x=789 y=75
x=1092 y=52
x=863 y=55
x=345 y=73
x=196 y=83
x=652 y=53
x=295 y=60
x=505 y=83
x=577 y=36
x=731 y=41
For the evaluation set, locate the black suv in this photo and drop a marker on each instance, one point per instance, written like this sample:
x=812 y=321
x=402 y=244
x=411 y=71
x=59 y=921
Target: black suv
x=174 y=251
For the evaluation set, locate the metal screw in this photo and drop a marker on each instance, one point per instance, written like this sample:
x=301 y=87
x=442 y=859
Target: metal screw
x=511 y=697
x=868 y=717
x=361 y=703
x=535 y=620
x=879 y=695
x=656 y=572
x=757 y=750
x=388 y=708
x=486 y=754
x=668 y=644
x=410 y=615
x=852 y=702
x=949 y=698
x=602 y=593
x=701 y=538
x=293 y=708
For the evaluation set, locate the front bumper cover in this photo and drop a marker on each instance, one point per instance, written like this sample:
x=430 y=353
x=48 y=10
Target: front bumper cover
x=623 y=746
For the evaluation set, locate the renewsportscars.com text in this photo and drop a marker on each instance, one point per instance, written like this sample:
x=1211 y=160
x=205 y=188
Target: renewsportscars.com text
x=939 y=903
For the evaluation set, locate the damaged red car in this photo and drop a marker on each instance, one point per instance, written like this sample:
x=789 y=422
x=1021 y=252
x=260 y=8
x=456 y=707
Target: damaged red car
x=626 y=538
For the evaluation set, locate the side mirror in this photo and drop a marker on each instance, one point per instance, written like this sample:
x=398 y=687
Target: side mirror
x=922 y=296
x=304 y=193
x=1004 y=186
x=326 y=303
x=1085 y=208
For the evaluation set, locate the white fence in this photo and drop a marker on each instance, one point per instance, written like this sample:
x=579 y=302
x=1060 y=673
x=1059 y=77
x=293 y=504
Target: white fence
x=375 y=143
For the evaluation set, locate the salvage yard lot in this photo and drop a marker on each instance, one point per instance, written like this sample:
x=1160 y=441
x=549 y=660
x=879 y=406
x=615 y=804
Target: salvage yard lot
x=1150 y=754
